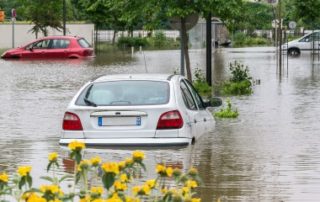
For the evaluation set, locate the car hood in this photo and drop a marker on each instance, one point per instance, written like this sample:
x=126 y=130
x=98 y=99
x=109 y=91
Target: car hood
x=10 y=52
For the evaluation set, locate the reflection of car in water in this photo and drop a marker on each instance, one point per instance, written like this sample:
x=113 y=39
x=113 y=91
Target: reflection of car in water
x=306 y=43
x=175 y=158
x=52 y=47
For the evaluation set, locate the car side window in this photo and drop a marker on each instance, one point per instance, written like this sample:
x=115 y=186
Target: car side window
x=195 y=94
x=60 y=43
x=187 y=97
x=44 y=44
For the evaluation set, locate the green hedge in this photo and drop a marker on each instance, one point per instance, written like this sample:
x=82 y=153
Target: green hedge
x=240 y=39
x=125 y=42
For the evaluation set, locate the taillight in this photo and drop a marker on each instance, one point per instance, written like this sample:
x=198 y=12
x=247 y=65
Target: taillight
x=170 y=120
x=71 y=122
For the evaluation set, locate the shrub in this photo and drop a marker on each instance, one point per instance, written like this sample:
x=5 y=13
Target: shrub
x=239 y=72
x=115 y=178
x=227 y=112
x=240 y=39
x=126 y=42
x=160 y=41
x=200 y=84
x=237 y=88
x=240 y=82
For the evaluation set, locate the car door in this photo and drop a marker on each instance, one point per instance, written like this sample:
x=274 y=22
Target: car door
x=205 y=121
x=304 y=43
x=58 y=48
x=36 y=50
x=193 y=116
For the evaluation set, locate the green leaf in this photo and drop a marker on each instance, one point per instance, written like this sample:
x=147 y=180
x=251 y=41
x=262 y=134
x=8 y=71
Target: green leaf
x=49 y=166
x=47 y=178
x=142 y=165
x=78 y=157
x=108 y=180
x=22 y=182
x=65 y=177
x=78 y=176
x=29 y=180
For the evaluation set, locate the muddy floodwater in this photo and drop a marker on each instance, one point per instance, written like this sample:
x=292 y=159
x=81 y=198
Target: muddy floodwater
x=270 y=153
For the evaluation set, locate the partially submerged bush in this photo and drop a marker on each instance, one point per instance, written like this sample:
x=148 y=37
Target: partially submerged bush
x=240 y=82
x=201 y=84
x=227 y=112
x=116 y=178
x=237 y=88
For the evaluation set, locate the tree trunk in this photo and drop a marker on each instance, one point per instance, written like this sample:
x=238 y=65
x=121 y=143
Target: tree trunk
x=114 y=37
x=186 y=49
x=96 y=39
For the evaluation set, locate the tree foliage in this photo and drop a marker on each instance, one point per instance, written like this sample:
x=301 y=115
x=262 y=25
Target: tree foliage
x=307 y=11
x=43 y=13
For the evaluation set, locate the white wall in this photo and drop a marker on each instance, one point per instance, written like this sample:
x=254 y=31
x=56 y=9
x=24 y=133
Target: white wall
x=23 y=35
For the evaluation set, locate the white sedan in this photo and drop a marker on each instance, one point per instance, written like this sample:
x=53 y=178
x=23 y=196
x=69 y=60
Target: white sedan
x=137 y=109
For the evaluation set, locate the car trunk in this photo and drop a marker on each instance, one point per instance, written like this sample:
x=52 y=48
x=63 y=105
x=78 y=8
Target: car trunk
x=137 y=122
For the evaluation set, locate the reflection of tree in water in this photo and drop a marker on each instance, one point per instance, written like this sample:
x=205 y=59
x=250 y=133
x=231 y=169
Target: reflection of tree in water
x=219 y=67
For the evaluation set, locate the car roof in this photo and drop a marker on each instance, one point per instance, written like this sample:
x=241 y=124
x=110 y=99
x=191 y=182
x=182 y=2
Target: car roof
x=115 y=77
x=61 y=37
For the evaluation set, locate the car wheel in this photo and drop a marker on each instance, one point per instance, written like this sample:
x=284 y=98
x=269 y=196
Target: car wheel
x=294 y=52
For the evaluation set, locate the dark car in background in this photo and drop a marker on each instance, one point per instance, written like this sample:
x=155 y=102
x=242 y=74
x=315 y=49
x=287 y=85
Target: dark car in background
x=52 y=47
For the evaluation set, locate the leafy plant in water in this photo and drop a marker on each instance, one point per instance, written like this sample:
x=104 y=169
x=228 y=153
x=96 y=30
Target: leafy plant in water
x=227 y=112
x=200 y=84
x=239 y=72
x=240 y=82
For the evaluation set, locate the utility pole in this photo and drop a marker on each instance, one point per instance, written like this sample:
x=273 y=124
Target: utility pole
x=280 y=36
x=209 y=50
x=64 y=17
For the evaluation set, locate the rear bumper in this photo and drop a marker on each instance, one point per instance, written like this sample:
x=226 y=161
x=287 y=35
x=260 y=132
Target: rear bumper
x=131 y=141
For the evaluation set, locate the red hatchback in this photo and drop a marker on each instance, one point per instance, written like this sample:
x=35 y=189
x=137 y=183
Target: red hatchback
x=52 y=47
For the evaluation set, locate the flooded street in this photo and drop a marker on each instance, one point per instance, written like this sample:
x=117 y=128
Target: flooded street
x=270 y=153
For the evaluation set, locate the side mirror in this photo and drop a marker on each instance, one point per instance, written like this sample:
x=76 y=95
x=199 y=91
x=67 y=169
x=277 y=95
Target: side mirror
x=213 y=102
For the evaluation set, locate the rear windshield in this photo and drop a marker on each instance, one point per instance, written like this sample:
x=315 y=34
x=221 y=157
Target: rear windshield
x=83 y=43
x=119 y=93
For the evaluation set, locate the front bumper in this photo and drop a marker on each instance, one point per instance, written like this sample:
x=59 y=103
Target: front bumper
x=131 y=141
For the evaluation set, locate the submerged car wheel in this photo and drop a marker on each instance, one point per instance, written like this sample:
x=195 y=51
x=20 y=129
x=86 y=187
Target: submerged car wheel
x=294 y=52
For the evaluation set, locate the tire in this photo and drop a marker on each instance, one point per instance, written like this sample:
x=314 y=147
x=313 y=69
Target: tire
x=294 y=52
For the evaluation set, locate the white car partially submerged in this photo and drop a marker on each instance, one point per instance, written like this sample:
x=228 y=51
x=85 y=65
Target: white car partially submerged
x=137 y=109
x=306 y=43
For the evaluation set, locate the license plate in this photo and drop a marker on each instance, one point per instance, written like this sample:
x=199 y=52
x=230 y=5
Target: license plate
x=119 y=121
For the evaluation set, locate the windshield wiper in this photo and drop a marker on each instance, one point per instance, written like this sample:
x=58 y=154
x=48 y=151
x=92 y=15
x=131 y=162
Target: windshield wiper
x=86 y=100
x=89 y=102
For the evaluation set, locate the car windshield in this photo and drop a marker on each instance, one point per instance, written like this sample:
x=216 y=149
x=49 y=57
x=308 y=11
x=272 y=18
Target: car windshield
x=119 y=93
x=83 y=43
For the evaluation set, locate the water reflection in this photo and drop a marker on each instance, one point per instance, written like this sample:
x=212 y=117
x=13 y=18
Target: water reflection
x=270 y=153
